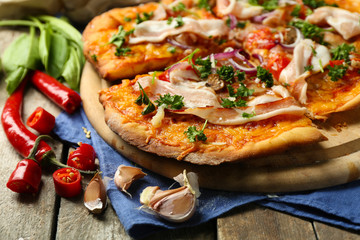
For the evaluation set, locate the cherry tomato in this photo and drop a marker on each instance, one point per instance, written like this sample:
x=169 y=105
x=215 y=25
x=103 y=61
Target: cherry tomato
x=26 y=177
x=332 y=63
x=260 y=39
x=277 y=62
x=164 y=76
x=41 y=120
x=67 y=182
x=83 y=157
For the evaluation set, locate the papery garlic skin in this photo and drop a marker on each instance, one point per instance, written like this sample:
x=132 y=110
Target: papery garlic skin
x=126 y=175
x=95 y=198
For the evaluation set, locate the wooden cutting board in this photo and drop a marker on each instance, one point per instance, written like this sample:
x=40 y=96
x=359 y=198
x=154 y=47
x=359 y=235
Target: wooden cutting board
x=332 y=162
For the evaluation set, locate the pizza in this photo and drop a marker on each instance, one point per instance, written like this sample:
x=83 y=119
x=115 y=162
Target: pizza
x=253 y=81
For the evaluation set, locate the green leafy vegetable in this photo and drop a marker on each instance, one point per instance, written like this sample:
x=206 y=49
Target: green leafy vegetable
x=226 y=73
x=122 y=51
x=337 y=72
x=248 y=115
x=265 y=76
x=205 y=67
x=127 y=19
x=241 y=24
x=237 y=100
x=227 y=103
x=317 y=3
x=169 y=21
x=179 y=21
x=14 y=79
x=308 y=68
x=342 y=52
x=180 y=7
x=204 y=4
x=296 y=11
x=170 y=101
x=188 y=57
x=171 y=49
x=146 y=16
x=267 y=4
x=144 y=99
x=196 y=135
x=240 y=76
x=72 y=70
x=58 y=54
x=310 y=30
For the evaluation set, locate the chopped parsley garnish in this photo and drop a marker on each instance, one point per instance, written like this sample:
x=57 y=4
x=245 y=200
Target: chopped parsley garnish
x=204 y=4
x=240 y=76
x=310 y=30
x=308 y=68
x=227 y=103
x=146 y=16
x=196 y=135
x=317 y=3
x=144 y=99
x=171 y=49
x=94 y=58
x=122 y=51
x=205 y=67
x=242 y=91
x=169 y=21
x=220 y=41
x=118 y=40
x=241 y=24
x=171 y=102
x=189 y=58
x=180 y=7
x=265 y=76
x=226 y=73
x=267 y=4
x=127 y=19
x=296 y=11
x=337 y=72
x=342 y=52
x=248 y=115
x=179 y=21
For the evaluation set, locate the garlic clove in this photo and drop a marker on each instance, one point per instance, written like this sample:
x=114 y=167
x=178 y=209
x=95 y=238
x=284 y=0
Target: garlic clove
x=176 y=205
x=125 y=175
x=95 y=198
x=147 y=194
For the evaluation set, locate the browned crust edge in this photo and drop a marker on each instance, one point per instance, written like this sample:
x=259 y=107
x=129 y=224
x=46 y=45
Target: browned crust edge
x=137 y=135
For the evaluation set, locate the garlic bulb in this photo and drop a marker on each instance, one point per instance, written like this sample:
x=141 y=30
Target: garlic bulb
x=175 y=205
x=95 y=198
x=125 y=175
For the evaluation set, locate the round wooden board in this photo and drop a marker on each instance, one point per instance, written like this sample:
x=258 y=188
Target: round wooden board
x=328 y=163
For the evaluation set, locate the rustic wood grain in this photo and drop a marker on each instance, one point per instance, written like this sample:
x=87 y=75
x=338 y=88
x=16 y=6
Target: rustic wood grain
x=206 y=231
x=23 y=215
x=255 y=222
x=324 y=232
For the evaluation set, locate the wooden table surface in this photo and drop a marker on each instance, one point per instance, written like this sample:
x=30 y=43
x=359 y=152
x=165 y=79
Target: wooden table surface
x=47 y=216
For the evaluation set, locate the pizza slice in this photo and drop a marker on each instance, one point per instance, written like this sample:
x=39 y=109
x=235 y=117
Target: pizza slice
x=124 y=42
x=208 y=111
x=312 y=49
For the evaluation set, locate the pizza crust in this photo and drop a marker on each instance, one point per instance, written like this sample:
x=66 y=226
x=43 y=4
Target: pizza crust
x=137 y=135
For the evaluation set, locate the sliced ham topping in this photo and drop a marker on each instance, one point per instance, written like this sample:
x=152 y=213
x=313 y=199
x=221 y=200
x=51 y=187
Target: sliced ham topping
x=306 y=53
x=234 y=116
x=195 y=93
x=344 y=22
x=239 y=8
x=158 y=31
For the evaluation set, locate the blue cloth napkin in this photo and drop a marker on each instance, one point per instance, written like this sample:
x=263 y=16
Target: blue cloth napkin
x=337 y=205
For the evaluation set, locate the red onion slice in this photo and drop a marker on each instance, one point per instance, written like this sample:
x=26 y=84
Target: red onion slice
x=242 y=68
x=262 y=17
x=299 y=37
x=233 y=21
x=177 y=44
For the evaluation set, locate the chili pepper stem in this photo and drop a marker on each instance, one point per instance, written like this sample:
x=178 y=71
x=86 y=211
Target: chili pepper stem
x=49 y=157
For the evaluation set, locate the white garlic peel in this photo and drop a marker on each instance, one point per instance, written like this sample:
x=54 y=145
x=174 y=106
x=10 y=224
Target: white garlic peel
x=95 y=198
x=175 y=205
x=126 y=175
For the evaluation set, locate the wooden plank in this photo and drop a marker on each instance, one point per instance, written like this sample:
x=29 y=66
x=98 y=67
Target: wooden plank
x=205 y=231
x=324 y=231
x=255 y=222
x=24 y=216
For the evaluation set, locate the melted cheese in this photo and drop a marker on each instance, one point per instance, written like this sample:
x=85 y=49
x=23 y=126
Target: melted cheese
x=158 y=31
x=346 y=23
x=239 y=8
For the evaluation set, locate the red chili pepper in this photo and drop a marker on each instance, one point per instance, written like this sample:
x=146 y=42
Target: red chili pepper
x=83 y=157
x=64 y=97
x=67 y=182
x=18 y=135
x=41 y=120
x=26 y=177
